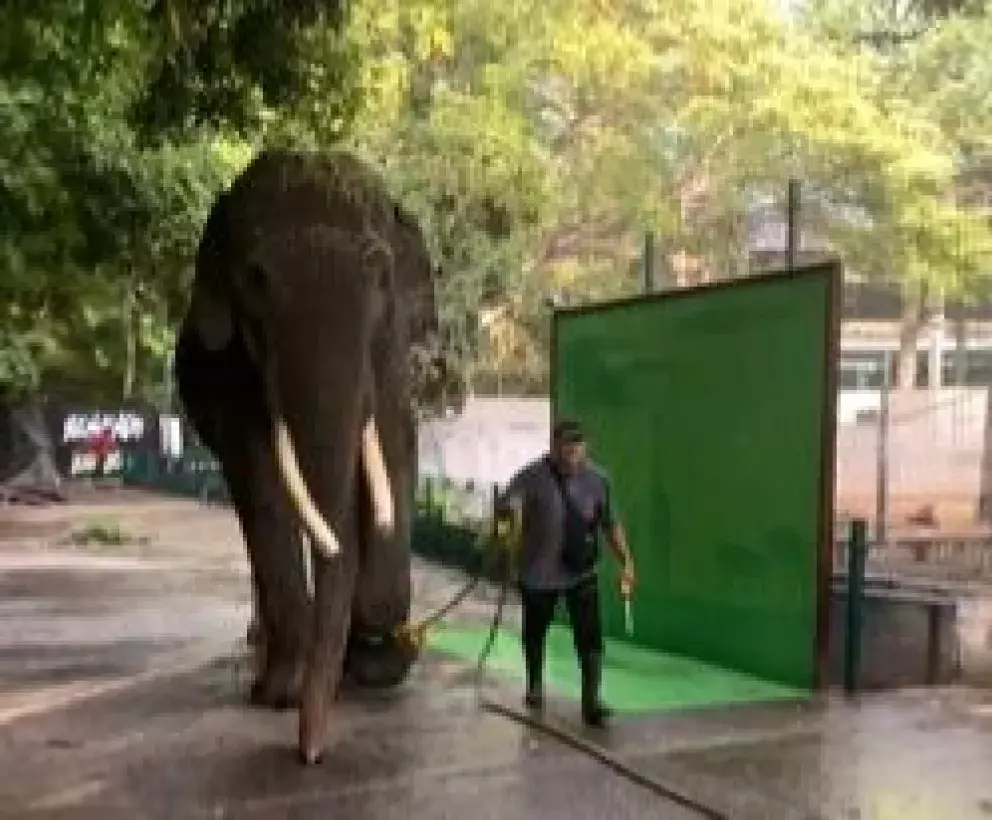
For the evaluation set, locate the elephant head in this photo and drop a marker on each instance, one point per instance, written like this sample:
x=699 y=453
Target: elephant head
x=249 y=292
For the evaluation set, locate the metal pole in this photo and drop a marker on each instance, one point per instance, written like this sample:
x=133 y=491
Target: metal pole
x=494 y=533
x=169 y=379
x=648 y=268
x=794 y=208
x=857 y=546
x=882 y=467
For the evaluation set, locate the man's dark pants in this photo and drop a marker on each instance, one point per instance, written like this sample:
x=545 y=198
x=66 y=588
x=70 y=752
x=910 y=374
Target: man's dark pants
x=582 y=602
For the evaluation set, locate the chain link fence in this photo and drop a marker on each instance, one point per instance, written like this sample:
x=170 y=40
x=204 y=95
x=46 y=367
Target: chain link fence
x=916 y=464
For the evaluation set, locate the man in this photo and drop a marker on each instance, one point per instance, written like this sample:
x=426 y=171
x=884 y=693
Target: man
x=563 y=504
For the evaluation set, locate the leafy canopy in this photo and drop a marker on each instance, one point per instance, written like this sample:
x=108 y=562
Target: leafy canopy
x=537 y=141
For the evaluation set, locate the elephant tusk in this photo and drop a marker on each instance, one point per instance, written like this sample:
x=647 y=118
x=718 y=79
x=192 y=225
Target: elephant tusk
x=323 y=536
x=380 y=487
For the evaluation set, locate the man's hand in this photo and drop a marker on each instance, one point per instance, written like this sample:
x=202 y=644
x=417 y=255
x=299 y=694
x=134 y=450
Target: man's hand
x=628 y=578
x=508 y=525
x=617 y=539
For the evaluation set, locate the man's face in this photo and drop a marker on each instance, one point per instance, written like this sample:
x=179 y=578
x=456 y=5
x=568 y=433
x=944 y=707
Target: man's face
x=570 y=455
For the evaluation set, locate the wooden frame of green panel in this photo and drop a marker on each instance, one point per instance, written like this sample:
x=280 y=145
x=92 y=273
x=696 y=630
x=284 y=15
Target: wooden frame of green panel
x=713 y=410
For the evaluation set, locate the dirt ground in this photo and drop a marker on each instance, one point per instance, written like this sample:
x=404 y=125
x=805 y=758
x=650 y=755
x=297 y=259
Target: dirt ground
x=122 y=679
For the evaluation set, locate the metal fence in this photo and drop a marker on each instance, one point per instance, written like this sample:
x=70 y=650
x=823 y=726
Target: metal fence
x=450 y=524
x=916 y=460
x=194 y=474
x=914 y=463
x=921 y=474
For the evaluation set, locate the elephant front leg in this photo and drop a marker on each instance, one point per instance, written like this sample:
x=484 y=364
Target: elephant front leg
x=285 y=616
x=275 y=553
x=334 y=584
x=377 y=657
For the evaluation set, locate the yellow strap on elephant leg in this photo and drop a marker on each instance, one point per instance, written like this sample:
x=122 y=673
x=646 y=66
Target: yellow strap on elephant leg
x=505 y=537
x=413 y=634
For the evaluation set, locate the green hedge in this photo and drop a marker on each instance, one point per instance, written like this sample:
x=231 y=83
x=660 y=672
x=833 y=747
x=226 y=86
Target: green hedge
x=195 y=475
x=444 y=533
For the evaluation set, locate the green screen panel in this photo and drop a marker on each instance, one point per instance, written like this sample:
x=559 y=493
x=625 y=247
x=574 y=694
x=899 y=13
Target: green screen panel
x=706 y=408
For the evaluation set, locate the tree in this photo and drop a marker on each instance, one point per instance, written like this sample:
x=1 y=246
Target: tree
x=443 y=125
x=934 y=57
x=126 y=124
x=633 y=116
x=537 y=142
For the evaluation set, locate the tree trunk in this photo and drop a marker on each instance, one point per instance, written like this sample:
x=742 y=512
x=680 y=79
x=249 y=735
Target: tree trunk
x=935 y=351
x=27 y=455
x=128 y=318
x=913 y=316
x=985 y=488
x=960 y=351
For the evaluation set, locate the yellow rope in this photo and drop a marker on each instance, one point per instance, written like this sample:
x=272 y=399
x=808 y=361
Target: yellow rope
x=504 y=538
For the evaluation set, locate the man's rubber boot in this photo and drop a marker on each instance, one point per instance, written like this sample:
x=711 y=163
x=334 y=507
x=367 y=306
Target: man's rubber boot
x=595 y=713
x=534 y=697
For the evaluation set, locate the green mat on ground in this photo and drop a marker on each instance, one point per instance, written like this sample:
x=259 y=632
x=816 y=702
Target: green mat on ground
x=634 y=679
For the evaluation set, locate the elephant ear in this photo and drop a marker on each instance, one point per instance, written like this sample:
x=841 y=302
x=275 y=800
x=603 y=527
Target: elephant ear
x=209 y=311
x=212 y=318
x=416 y=274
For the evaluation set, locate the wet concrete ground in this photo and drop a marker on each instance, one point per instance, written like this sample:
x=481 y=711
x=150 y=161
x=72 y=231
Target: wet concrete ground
x=121 y=687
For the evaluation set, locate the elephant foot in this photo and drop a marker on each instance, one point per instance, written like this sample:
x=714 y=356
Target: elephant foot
x=310 y=759
x=316 y=703
x=378 y=664
x=278 y=686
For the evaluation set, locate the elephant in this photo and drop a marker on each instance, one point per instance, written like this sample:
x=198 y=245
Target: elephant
x=313 y=301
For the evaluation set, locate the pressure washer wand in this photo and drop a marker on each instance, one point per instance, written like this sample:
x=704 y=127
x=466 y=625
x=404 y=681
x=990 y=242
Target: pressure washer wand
x=628 y=614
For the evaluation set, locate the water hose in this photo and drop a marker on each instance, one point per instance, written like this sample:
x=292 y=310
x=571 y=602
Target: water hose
x=504 y=540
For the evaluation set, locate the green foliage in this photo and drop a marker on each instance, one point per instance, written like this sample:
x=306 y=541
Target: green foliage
x=18 y=368
x=536 y=141
x=102 y=199
x=224 y=64
x=105 y=534
x=936 y=70
x=539 y=141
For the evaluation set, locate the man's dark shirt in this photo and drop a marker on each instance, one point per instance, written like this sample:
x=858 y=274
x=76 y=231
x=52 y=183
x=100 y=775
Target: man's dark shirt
x=552 y=528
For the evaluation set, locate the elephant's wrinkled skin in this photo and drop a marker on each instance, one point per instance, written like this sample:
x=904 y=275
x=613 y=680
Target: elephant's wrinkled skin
x=311 y=288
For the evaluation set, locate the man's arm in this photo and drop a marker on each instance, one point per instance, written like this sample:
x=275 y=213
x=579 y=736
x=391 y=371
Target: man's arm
x=616 y=535
x=513 y=494
x=513 y=490
x=508 y=513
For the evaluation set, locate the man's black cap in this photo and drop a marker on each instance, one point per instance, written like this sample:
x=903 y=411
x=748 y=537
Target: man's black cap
x=568 y=431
